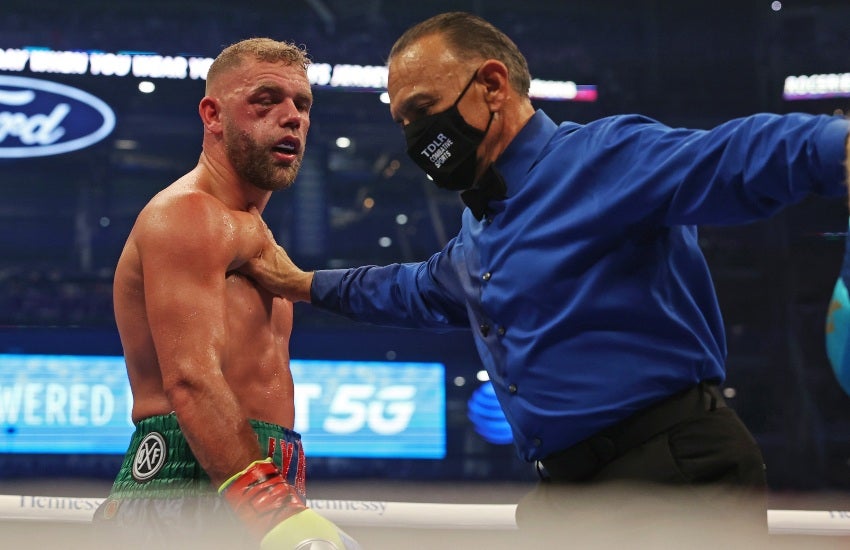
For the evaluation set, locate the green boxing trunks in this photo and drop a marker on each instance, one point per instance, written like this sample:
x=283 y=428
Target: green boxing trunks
x=161 y=494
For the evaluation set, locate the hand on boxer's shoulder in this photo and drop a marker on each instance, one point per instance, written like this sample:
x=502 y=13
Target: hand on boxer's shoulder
x=274 y=270
x=273 y=511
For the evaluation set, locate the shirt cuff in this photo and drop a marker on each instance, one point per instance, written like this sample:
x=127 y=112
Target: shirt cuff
x=324 y=291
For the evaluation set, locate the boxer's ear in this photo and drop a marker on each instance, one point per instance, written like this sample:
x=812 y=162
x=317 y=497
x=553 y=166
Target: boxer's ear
x=210 y=111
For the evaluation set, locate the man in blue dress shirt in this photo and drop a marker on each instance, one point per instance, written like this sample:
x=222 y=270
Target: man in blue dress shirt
x=577 y=265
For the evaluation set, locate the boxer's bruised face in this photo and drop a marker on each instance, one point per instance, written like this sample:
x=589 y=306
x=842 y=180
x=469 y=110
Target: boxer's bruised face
x=265 y=119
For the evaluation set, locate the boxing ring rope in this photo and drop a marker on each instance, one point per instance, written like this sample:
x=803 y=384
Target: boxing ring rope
x=413 y=515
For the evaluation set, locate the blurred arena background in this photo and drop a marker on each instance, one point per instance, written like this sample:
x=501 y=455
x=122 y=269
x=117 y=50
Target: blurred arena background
x=359 y=200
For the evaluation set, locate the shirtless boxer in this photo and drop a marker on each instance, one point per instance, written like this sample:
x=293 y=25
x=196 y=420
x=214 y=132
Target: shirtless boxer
x=207 y=350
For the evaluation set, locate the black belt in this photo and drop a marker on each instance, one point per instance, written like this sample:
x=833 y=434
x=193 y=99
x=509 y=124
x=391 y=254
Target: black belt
x=581 y=461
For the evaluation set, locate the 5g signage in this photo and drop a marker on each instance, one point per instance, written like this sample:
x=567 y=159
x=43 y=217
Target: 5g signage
x=370 y=409
x=40 y=118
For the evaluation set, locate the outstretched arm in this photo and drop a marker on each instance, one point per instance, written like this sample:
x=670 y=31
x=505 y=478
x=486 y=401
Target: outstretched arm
x=275 y=271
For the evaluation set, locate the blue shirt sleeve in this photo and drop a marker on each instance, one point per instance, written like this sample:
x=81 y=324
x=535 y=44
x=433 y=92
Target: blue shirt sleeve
x=415 y=295
x=742 y=170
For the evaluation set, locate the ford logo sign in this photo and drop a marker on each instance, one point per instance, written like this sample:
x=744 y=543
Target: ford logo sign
x=40 y=118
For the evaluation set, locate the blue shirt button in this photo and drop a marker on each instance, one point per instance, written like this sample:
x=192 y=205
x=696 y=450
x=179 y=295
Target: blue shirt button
x=512 y=388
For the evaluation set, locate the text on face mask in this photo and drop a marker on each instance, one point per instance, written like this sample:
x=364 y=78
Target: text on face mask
x=438 y=151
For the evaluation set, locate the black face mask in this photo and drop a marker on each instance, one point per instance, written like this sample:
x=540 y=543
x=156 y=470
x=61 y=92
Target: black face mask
x=444 y=145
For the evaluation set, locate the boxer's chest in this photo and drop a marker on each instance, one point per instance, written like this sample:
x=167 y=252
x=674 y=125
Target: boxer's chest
x=252 y=311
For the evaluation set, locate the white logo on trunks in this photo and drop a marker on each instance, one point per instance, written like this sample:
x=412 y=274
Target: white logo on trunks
x=150 y=456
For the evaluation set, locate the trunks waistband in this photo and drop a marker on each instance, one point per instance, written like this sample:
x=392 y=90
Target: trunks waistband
x=160 y=464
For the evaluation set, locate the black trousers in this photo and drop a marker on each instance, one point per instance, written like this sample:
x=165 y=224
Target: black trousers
x=690 y=437
x=686 y=464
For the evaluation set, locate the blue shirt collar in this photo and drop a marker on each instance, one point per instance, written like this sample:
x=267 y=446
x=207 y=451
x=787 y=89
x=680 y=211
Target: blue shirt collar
x=524 y=150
